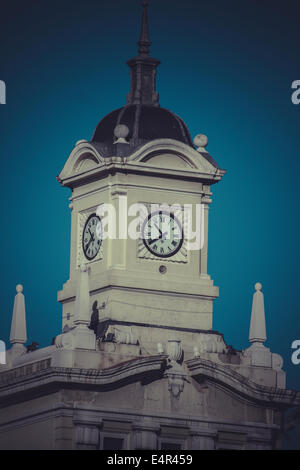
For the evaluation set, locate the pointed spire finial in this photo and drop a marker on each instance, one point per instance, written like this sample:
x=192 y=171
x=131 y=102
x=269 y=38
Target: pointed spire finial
x=143 y=69
x=257 y=333
x=144 y=41
x=18 y=332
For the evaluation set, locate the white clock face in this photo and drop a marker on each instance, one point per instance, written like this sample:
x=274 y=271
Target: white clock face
x=91 y=239
x=162 y=234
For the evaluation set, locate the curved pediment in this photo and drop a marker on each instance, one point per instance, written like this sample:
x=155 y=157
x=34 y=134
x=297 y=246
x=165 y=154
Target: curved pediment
x=83 y=158
x=168 y=160
x=172 y=154
x=85 y=162
x=163 y=157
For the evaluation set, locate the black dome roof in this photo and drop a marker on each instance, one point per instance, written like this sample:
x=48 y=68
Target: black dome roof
x=145 y=123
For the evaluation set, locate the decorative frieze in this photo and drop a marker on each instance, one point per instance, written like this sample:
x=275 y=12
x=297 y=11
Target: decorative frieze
x=28 y=369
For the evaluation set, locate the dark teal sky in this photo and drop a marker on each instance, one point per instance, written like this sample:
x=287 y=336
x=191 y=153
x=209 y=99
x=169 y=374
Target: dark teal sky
x=227 y=69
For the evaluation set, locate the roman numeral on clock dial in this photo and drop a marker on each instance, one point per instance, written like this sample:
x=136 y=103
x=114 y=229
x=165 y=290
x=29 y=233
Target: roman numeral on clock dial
x=162 y=234
x=91 y=237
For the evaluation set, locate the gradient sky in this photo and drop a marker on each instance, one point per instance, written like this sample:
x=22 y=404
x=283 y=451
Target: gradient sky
x=227 y=69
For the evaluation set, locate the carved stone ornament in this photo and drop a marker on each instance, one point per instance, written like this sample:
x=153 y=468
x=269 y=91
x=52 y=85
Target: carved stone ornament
x=176 y=373
x=176 y=384
x=65 y=341
x=122 y=334
x=174 y=350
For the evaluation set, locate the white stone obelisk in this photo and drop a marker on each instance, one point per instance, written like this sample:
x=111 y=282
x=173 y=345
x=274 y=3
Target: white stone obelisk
x=84 y=337
x=257 y=331
x=258 y=353
x=18 y=332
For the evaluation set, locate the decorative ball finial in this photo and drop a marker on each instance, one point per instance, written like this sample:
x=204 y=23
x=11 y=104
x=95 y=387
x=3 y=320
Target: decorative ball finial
x=201 y=141
x=258 y=286
x=19 y=288
x=121 y=132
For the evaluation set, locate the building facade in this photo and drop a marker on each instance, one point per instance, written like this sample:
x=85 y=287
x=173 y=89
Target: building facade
x=137 y=364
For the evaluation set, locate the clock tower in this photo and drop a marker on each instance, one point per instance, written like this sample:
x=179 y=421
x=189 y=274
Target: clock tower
x=137 y=365
x=141 y=163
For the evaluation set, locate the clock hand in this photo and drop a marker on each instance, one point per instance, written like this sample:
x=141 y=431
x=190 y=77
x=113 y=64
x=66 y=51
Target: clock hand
x=92 y=237
x=90 y=240
x=155 y=240
x=158 y=229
